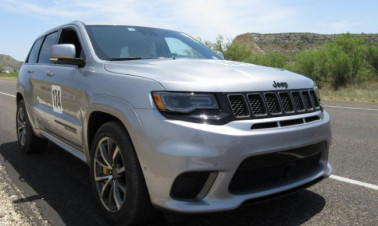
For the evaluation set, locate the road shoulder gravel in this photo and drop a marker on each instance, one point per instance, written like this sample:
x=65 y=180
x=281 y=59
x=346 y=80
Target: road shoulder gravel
x=15 y=208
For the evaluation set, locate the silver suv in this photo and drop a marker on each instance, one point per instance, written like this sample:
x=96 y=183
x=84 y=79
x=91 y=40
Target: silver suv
x=162 y=121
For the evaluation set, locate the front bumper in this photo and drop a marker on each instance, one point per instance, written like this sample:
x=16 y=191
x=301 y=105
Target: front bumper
x=168 y=148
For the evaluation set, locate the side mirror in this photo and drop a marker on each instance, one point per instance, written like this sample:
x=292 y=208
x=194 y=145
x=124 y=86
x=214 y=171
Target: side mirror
x=220 y=54
x=65 y=54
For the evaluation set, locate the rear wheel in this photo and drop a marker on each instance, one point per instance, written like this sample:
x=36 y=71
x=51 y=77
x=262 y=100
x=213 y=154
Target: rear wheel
x=117 y=177
x=27 y=140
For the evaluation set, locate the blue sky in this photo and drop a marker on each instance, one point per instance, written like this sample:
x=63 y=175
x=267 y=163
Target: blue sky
x=22 y=22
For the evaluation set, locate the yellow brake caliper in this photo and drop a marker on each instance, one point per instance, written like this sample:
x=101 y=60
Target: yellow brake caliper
x=105 y=171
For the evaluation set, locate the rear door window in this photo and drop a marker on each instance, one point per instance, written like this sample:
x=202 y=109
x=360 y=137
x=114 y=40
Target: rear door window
x=46 y=46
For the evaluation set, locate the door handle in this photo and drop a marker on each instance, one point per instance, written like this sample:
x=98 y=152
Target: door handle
x=30 y=71
x=49 y=73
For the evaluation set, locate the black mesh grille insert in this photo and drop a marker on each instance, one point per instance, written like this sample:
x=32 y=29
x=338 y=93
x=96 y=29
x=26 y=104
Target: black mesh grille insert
x=238 y=105
x=257 y=104
x=272 y=103
x=307 y=100
x=297 y=101
x=189 y=185
x=270 y=170
x=286 y=103
x=314 y=99
x=269 y=104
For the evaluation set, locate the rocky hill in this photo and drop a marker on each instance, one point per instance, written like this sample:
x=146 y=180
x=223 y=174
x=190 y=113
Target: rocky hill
x=290 y=43
x=9 y=63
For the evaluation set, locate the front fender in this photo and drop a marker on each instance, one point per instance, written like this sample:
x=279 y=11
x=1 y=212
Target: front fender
x=116 y=107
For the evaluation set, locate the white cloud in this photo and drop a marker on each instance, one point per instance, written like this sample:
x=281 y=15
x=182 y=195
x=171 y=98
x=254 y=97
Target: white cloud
x=342 y=26
x=33 y=9
x=206 y=19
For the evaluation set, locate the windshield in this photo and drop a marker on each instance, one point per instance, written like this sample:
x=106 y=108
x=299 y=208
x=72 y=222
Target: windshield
x=132 y=43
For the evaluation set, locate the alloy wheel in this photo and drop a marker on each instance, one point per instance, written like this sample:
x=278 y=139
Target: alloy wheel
x=21 y=126
x=110 y=174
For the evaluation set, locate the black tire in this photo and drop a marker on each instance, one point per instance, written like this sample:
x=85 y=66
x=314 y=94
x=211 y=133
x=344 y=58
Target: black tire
x=113 y=157
x=27 y=140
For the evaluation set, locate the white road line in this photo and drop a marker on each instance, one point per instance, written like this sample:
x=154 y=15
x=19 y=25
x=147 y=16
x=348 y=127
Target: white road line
x=352 y=108
x=355 y=182
x=7 y=94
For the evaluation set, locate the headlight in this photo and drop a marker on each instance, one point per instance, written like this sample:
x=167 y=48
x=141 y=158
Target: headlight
x=184 y=102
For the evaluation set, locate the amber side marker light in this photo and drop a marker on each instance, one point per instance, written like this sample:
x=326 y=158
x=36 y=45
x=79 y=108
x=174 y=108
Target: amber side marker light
x=159 y=103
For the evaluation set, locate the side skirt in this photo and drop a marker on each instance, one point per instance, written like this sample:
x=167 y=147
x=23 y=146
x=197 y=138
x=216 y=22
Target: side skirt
x=78 y=154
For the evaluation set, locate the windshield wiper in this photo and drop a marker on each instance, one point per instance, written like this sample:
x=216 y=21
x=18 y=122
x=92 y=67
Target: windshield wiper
x=130 y=58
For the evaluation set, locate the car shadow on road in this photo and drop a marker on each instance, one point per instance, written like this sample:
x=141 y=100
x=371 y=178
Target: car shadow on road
x=63 y=182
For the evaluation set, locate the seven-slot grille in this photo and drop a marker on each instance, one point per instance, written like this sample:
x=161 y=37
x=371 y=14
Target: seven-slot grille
x=273 y=103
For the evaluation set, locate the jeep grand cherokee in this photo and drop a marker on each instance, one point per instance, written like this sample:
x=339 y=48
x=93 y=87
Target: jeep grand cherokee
x=163 y=121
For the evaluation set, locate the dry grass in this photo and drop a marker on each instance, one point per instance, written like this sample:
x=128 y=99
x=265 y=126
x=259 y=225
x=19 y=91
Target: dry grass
x=363 y=92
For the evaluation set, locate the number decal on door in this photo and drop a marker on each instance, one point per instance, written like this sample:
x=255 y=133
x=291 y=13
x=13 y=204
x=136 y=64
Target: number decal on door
x=56 y=95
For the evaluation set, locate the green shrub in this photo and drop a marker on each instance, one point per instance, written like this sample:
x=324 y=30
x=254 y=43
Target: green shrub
x=345 y=61
x=237 y=52
x=338 y=66
x=305 y=64
x=271 y=59
x=371 y=57
x=354 y=47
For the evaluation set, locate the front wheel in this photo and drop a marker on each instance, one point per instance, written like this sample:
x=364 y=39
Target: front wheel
x=117 y=178
x=27 y=140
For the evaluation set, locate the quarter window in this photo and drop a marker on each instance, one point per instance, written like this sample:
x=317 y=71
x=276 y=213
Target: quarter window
x=33 y=55
x=46 y=46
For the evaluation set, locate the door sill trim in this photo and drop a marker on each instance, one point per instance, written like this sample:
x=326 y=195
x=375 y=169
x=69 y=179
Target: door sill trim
x=78 y=154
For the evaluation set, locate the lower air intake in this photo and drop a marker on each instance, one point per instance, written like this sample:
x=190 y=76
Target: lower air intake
x=189 y=185
x=275 y=169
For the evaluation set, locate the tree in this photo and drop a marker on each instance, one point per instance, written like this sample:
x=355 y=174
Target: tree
x=348 y=59
x=270 y=59
x=339 y=66
x=220 y=45
x=207 y=43
x=371 y=57
x=305 y=64
x=354 y=46
x=237 y=52
x=320 y=66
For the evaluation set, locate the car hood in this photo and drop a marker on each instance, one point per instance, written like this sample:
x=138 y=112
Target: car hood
x=209 y=75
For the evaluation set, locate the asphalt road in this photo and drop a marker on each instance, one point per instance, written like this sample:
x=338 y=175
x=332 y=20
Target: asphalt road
x=58 y=184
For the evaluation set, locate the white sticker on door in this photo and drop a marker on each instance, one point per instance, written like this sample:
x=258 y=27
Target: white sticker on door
x=56 y=95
